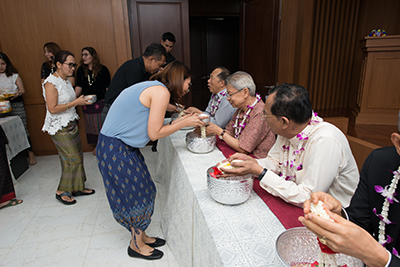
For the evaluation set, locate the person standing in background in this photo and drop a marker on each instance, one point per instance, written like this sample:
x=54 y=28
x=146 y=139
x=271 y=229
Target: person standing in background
x=92 y=78
x=168 y=40
x=48 y=67
x=134 y=71
x=11 y=83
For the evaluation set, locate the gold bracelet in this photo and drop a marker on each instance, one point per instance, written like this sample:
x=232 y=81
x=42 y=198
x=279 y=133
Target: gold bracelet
x=66 y=105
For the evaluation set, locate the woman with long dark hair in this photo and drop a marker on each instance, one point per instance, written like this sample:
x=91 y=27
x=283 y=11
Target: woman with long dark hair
x=135 y=118
x=48 y=67
x=11 y=83
x=92 y=78
x=61 y=124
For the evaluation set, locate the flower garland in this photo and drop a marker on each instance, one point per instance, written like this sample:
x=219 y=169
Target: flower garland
x=240 y=126
x=389 y=195
x=294 y=164
x=214 y=106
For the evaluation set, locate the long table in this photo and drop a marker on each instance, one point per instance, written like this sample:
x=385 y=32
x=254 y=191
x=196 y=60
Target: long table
x=200 y=231
x=17 y=143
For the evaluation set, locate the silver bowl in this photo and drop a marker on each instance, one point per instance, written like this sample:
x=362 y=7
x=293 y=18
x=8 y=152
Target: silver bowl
x=205 y=118
x=298 y=245
x=230 y=190
x=196 y=144
x=90 y=98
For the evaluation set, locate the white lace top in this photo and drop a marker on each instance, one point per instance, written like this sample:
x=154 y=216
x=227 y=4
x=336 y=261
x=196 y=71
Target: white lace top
x=54 y=122
x=7 y=84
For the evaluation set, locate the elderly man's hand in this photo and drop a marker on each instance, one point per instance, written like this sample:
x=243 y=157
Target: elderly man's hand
x=346 y=237
x=213 y=129
x=248 y=166
x=332 y=204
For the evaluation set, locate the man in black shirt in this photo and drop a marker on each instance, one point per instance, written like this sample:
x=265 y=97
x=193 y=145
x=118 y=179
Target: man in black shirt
x=168 y=40
x=134 y=71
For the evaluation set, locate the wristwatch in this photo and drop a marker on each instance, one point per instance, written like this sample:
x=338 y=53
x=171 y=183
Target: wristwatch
x=262 y=174
x=221 y=135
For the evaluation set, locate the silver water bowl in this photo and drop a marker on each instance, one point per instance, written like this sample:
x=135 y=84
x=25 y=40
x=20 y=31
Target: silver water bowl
x=230 y=190
x=196 y=144
x=299 y=246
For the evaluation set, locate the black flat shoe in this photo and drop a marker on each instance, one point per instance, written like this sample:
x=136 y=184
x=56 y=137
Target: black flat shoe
x=58 y=197
x=158 y=243
x=81 y=193
x=155 y=255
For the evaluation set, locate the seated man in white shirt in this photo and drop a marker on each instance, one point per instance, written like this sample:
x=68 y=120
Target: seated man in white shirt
x=309 y=154
x=219 y=109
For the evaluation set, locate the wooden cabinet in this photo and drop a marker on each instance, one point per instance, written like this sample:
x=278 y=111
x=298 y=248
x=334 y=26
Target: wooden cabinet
x=379 y=90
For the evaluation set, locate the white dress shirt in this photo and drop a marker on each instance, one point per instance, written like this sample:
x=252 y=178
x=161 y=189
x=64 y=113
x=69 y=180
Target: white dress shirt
x=224 y=112
x=327 y=165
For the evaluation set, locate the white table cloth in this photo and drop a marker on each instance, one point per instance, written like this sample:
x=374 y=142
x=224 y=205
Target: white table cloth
x=200 y=231
x=16 y=135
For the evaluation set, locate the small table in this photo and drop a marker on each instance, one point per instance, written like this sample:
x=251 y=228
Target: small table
x=200 y=231
x=17 y=144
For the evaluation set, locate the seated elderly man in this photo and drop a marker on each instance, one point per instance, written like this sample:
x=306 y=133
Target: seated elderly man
x=247 y=132
x=219 y=110
x=373 y=232
x=309 y=154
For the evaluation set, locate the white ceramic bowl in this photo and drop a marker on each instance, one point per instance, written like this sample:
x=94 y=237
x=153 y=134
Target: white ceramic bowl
x=297 y=246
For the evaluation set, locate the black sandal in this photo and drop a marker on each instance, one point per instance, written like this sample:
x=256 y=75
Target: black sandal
x=81 y=193
x=59 y=197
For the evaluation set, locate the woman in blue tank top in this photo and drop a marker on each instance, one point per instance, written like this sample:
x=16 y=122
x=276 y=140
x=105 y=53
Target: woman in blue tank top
x=135 y=118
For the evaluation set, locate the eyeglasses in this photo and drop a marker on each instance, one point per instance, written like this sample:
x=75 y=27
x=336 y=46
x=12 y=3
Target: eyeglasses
x=265 y=115
x=230 y=95
x=71 y=65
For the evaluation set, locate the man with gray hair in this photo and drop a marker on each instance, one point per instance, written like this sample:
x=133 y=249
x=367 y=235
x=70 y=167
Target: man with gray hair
x=247 y=131
x=219 y=110
x=309 y=154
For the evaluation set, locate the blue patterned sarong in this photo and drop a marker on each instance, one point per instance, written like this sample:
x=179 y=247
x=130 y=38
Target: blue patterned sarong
x=130 y=190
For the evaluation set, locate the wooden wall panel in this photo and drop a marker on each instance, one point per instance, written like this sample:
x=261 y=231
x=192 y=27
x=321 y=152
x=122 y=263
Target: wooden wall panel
x=28 y=25
x=148 y=22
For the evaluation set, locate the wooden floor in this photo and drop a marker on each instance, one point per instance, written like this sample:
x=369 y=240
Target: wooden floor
x=376 y=134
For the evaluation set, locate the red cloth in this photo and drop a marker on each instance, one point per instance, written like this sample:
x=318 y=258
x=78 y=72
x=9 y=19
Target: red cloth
x=286 y=213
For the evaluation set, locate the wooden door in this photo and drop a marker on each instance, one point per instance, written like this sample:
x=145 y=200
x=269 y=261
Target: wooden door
x=259 y=37
x=149 y=19
x=214 y=41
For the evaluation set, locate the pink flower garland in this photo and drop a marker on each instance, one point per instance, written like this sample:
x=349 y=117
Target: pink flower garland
x=292 y=164
x=214 y=107
x=240 y=126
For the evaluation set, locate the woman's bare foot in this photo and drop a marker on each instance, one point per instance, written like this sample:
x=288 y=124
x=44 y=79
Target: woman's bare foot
x=147 y=239
x=32 y=158
x=143 y=248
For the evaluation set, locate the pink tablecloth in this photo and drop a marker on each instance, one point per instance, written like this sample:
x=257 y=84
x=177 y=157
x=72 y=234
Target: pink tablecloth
x=285 y=212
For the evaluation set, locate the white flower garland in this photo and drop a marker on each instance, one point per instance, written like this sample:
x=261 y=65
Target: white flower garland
x=389 y=195
x=214 y=106
x=240 y=126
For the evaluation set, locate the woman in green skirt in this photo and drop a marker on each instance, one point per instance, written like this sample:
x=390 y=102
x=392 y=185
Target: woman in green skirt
x=61 y=124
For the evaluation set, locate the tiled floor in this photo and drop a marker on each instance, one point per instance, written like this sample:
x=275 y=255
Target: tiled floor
x=43 y=232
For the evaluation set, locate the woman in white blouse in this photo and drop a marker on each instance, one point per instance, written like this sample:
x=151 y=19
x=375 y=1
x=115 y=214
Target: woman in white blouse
x=61 y=124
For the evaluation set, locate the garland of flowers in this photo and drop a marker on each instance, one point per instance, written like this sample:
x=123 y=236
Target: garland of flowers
x=294 y=164
x=240 y=126
x=389 y=195
x=90 y=81
x=214 y=106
